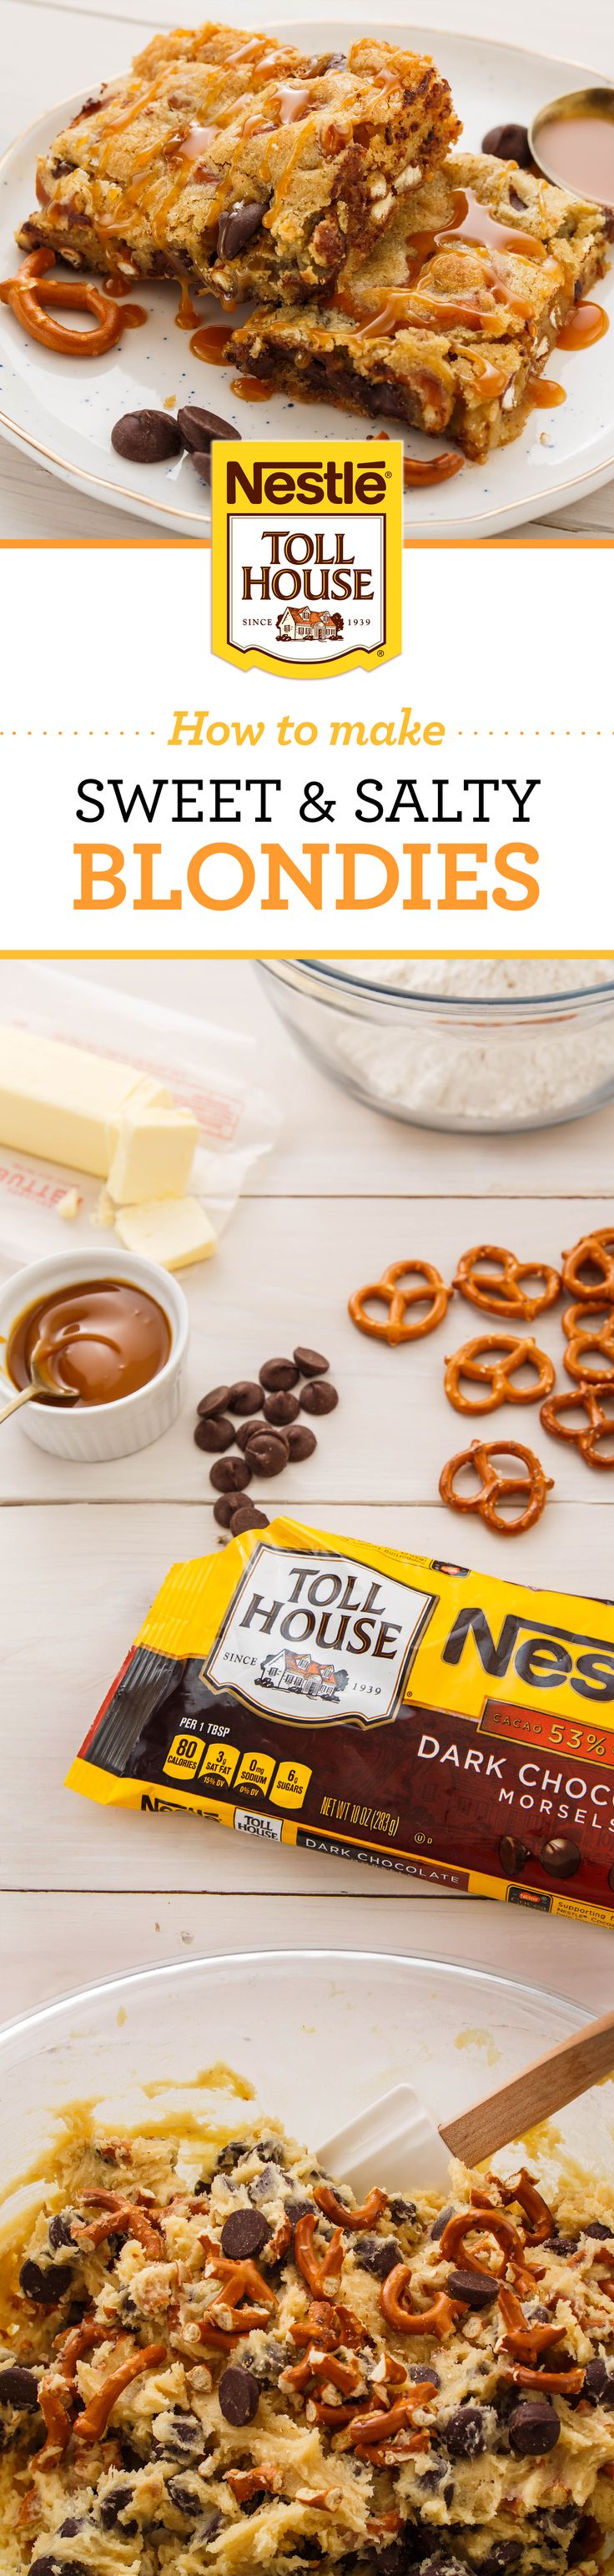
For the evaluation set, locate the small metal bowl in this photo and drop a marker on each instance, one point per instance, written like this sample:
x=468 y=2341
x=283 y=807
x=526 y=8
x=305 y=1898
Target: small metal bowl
x=577 y=102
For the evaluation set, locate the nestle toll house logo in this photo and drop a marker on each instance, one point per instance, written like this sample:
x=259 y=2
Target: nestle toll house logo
x=307 y=554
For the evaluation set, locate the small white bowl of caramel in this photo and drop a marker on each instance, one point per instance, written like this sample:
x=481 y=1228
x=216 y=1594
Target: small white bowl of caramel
x=114 y=1331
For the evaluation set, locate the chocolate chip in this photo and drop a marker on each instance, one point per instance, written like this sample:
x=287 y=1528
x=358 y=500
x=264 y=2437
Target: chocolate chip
x=237 y=226
x=512 y=1855
x=224 y=1508
x=598 y=2382
x=75 y=2522
x=278 y=1375
x=281 y=1408
x=310 y=1363
x=267 y=1453
x=199 y=427
x=243 y=2234
x=239 y=2395
x=229 y=1475
x=245 y=1431
x=473 y=2292
x=296 y=2209
x=247 y=1517
x=216 y=1431
x=18 y=2387
x=301 y=1442
x=378 y=2254
x=319 y=1396
x=245 y=1396
x=505 y=2554
x=402 y=2210
x=508 y=143
x=465 y=2432
x=45 y=2287
x=60 y=2232
x=216 y=1402
x=184 y=2495
x=533 y=2428
x=201 y=463
x=596 y=2228
x=440 y=2223
x=424 y=2370
x=560 y=1856
x=114 y=2503
x=146 y=437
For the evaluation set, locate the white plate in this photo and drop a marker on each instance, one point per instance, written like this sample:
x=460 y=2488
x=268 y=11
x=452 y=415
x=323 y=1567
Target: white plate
x=63 y=410
x=320 y=2033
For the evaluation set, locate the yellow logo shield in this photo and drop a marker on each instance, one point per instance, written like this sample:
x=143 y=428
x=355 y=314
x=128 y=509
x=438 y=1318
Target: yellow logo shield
x=307 y=554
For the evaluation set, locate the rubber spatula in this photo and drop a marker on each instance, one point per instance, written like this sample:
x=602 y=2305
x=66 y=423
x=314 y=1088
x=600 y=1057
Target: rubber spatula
x=396 y=2143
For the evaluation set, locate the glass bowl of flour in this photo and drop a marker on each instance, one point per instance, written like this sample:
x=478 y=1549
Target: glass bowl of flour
x=483 y=1045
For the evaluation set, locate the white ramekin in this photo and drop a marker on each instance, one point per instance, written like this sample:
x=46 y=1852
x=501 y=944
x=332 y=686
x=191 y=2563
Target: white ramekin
x=91 y=1433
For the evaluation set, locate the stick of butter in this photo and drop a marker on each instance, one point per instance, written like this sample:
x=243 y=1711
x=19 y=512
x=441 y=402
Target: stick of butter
x=171 y=1231
x=61 y=1103
x=154 y=1152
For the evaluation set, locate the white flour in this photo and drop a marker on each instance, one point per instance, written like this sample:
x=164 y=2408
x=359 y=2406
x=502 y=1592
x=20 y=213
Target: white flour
x=500 y=1076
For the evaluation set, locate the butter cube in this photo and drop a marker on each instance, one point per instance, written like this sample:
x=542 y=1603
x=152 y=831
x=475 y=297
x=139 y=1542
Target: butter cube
x=153 y=1154
x=60 y=1101
x=173 y=1232
x=68 y=1206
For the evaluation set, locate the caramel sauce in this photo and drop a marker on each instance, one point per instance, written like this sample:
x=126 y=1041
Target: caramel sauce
x=104 y=1337
x=210 y=341
x=543 y=393
x=251 y=388
x=293 y=102
x=586 y=324
x=581 y=150
x=434 y=469
x=186 y=317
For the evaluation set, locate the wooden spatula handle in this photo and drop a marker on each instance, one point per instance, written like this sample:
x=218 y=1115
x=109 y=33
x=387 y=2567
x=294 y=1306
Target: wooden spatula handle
x=544 y=2087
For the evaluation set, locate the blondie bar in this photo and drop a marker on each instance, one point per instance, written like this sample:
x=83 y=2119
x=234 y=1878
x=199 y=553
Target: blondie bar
x=240 y=165
x=450 y=320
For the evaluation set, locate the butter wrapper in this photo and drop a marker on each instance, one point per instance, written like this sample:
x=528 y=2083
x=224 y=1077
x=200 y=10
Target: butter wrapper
x=410 y=1715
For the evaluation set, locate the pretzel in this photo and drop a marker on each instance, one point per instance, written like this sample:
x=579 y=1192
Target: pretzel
x=598 y=1251
x=583 y=1333
x=393 y=1328
x=505 y=1295
x=590 y=1399
x=27 y=294
x=512 y=1352
x=316 y=2269
x=328 y=2326
x=239 y=2280
x=93 y=2422
x=524 y=2337
x=521 y=2187
x=370 y=2209
x=482 y=2222
x=493 y=1483
x=119 y=2218
x=394 y=2302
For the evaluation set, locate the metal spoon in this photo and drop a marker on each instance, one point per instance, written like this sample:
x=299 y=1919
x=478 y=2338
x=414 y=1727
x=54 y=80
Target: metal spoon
x=39 y=1385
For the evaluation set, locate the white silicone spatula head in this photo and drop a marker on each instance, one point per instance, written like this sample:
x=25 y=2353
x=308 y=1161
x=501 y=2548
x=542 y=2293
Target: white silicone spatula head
x=393 y=2142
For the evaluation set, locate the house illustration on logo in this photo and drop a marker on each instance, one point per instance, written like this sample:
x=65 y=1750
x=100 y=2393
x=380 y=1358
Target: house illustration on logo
x=283 y=1670
x=309 y=626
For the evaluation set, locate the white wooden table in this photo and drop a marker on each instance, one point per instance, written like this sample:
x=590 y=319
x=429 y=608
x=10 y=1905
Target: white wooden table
x=86 y=1891
x=52 y=48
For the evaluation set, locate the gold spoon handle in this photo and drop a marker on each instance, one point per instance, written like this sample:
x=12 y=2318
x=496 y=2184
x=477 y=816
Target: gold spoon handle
x=16 y=1400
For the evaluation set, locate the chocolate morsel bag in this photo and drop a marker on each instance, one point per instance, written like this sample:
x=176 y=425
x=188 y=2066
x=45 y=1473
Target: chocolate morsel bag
x=414 y=1716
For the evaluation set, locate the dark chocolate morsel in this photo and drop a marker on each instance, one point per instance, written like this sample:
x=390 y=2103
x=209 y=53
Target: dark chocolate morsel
x=440 y=2223
x=296 y=2209
x=533 y=2428
x=319 y=1396
x=237 y=226
x=245 y=1396
x=508 y=143
x=596 y=2227
x=244 y=2234
x=201 y=464
x=19 y=2388
x=301 y=1442
x=598 y=2382
x=505 y=2554
x=246 y=1430
x=378 y=2254
x=475 y=2293
x=465 y=2432
x=513 y=1854
x=247 y=1516
x=282 y=1407
x=215 y=1431
x=278 y=1376
x=229 y=1475
x=116 y=2501
x=46 y=2287
x=560 y=1856
x=424 y=2370
x=225 y=1506
x=310 y=1363
x=146 y=437
x=267 y=1453
x=215 y=1402
x=402 y=2210
x=60 y=2232
x=199 y=427
x=239 y=2395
